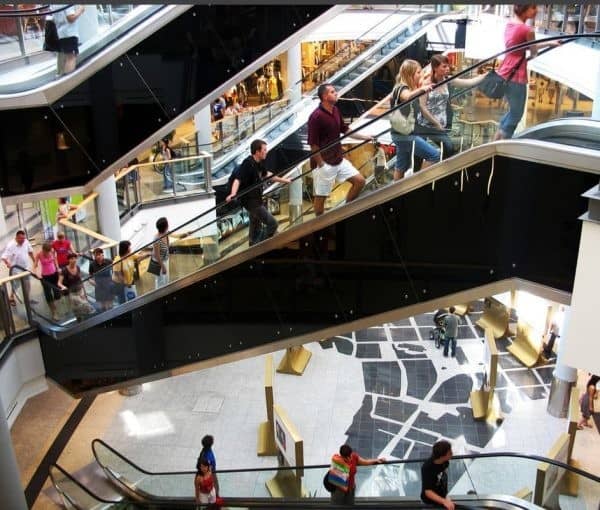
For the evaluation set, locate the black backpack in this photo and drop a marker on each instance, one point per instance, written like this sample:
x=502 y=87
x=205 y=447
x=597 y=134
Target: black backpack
x=50 y=36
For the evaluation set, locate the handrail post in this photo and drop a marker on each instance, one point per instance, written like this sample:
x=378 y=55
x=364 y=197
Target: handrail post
x=207 y=163
x=5 y=311
x=25 y=287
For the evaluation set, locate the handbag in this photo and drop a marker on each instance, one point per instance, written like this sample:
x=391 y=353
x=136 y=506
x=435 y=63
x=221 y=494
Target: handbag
x=154 y=267
x=403 y=124
x=50 y=36
x=130 y=292
x=329 y=487
x=494 y=86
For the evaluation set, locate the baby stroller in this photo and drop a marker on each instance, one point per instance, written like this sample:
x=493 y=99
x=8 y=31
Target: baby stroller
x=437 y=333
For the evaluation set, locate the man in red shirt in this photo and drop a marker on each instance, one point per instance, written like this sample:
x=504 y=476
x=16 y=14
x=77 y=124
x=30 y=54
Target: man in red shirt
x=324 y=127
x=62 y=247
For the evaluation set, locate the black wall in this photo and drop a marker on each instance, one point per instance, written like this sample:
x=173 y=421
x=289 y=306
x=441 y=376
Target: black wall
x=130 y=99
x=426 y=244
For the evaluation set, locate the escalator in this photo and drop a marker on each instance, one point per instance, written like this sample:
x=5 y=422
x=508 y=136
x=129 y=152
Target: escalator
x=471 y=226
x=100 y=113
x=475 y=481
x=353 y=78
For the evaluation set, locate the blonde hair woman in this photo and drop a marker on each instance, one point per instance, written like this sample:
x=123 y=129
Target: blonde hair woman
x=408 y=86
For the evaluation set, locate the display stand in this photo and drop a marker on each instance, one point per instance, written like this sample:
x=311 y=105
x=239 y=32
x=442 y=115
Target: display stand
x=294 y=360
x=549 y=478
x=524 y=347
x=287 y=483
x=484 y=403
x=266 y=430
x=495 y=316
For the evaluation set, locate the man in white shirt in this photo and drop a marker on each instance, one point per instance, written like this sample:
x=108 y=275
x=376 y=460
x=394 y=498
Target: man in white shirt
x=16 y=257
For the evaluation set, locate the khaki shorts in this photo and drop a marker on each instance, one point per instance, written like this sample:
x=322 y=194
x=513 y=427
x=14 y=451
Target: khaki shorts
x=325 y=177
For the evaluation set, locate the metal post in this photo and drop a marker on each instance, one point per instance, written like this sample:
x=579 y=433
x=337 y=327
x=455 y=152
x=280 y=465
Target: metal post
x=126 y=190
x=207 y=162
x=25 y=289
x=110 y=16
x=21 y=37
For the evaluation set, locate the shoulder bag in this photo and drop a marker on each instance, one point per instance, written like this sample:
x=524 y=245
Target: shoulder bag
x=403 y=124
x=494 y=86
x=154 y=267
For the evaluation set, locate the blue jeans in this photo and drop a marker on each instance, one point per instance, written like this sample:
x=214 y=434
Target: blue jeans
x=259 y=216
x=516 y=93
x=447 y=341
x=167 y=177
x=403 y=145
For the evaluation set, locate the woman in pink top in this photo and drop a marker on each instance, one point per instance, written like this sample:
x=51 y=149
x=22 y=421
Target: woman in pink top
x=517 y=32
x=49 y=273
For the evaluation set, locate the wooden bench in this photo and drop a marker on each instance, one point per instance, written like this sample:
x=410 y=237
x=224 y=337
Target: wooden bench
x=523 y=347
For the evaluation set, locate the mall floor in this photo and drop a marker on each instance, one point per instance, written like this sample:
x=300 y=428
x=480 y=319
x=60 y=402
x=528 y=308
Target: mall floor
x=386 y=390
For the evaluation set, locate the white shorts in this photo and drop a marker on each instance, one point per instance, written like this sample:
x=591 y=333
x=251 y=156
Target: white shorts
x=325 y=177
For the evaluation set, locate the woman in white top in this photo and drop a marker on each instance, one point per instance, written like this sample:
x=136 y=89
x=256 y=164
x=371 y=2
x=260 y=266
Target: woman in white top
x=433 y=121
x=68 y=37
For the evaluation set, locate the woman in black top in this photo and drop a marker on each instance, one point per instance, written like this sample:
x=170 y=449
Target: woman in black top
x=70 y=279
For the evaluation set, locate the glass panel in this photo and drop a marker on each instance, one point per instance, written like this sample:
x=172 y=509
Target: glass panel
x=221 y=231
x=468 y=478
x=28 y=65
x=74 y=495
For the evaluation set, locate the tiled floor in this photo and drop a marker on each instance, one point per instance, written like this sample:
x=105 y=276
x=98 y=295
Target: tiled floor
x=387 y=391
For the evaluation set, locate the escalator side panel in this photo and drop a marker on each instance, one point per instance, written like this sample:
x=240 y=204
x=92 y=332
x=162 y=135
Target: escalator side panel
x=423 y=245
x=130 y=99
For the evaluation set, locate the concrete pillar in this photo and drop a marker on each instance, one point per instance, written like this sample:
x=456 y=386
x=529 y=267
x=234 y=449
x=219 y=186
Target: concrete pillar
x=11 y=489
x=107 y=209
x=295 y=198
x=564 y=376
x=203 y=129
x=294 y=73
x=3 y=228
x=596 y=103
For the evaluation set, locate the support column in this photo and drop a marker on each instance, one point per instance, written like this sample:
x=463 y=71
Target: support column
x=10 y=480
x=107 y=209
x=564 y=376
x=596 y=103
x=294 y=73
x=3 y=229
x=203 y=129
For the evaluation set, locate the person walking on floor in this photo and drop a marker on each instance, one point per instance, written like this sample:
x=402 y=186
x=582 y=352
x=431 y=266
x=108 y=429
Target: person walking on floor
x=325 y=125
x=451 y=331
x=342 y=474
x=434 y=476
x=249 y=176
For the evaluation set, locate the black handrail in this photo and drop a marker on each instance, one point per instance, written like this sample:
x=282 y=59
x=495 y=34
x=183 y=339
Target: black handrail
x=471 y=456
x=349 y=134
x=24 y=13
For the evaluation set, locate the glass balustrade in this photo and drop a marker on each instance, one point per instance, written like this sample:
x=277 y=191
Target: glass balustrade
x=489 y=477
x=24 y=62
x=222 y=231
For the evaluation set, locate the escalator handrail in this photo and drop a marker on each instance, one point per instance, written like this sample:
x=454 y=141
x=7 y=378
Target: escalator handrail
x=40 y=10
x=473 y=456
x=348 y=134
x=76 y=482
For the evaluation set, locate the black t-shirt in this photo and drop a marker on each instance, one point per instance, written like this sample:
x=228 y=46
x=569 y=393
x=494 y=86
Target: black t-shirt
x=434 y=477
x=250 y=173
